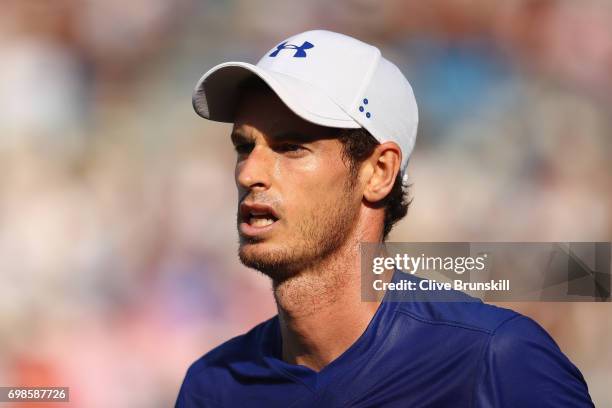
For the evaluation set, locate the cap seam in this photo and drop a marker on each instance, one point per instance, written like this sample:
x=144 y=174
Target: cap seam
x=318 y=89
x=368 y=78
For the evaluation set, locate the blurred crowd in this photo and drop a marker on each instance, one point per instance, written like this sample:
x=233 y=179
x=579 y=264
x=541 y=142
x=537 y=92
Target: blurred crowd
x=117 y=204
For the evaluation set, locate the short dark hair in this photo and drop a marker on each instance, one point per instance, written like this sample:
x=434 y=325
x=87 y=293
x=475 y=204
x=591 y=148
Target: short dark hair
x=358 y=145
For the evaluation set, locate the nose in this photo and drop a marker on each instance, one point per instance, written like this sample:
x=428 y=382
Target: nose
x=253 y=171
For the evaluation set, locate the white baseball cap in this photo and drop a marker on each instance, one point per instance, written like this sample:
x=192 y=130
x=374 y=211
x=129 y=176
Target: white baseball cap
x=326 y=78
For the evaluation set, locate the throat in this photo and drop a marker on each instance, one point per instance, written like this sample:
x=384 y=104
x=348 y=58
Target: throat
x=320 y=316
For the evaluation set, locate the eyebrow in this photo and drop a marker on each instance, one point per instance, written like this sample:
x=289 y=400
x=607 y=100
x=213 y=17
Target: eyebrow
x=294 y=136
x=238 y=136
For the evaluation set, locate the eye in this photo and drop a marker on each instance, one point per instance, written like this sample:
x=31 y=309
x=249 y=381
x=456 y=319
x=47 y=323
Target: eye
x=289 y=147
x=243 y=148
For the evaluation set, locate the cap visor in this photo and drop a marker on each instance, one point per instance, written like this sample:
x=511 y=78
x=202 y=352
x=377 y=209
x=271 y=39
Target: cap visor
x=217 y=94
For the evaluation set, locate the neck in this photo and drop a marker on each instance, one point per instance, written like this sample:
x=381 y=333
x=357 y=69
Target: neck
x=320 y=310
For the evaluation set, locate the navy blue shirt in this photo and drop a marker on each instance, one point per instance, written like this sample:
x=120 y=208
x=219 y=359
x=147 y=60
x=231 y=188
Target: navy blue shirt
x=412 y=354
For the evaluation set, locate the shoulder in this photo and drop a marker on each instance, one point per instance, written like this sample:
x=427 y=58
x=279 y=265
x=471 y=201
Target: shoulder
x=522 y=347
x=523 y=366
x=246 y=347
x=461 y=311
x=444 y=307
x=239 y=347
x=217 y=369
x=516 y=362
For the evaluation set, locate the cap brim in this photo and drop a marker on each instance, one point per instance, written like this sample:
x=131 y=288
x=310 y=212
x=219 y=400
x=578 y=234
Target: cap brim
x=217 y=93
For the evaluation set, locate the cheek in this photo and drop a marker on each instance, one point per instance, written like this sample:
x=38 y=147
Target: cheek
x=313 y=189
x=323 y=167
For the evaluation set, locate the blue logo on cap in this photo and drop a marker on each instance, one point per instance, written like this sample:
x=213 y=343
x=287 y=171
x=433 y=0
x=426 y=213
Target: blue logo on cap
x=362 y=109
x=300 y=52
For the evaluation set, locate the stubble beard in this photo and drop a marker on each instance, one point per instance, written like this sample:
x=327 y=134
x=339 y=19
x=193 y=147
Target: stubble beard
x=321 y=234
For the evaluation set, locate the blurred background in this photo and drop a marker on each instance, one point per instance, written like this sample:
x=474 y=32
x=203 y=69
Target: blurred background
x=117 y=227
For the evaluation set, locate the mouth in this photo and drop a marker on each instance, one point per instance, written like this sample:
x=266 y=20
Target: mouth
x=256 y=219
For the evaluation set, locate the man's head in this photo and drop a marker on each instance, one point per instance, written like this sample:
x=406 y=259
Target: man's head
x=306 y=190
x=323 y=128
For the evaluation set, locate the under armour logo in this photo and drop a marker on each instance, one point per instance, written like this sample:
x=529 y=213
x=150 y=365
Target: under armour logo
x=299 y=51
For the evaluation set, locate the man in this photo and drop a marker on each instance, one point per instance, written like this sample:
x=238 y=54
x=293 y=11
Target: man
x=323 y=128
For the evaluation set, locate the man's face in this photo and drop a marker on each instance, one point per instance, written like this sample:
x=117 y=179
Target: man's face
x=297 y=204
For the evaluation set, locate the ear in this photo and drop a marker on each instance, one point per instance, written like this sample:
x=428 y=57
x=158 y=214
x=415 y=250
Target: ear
x=383 y=167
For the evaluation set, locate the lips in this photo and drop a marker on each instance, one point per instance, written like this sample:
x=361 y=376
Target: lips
x=256 y=218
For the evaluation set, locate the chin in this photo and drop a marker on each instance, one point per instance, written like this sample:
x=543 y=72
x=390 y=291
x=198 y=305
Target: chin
x=274 y=261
